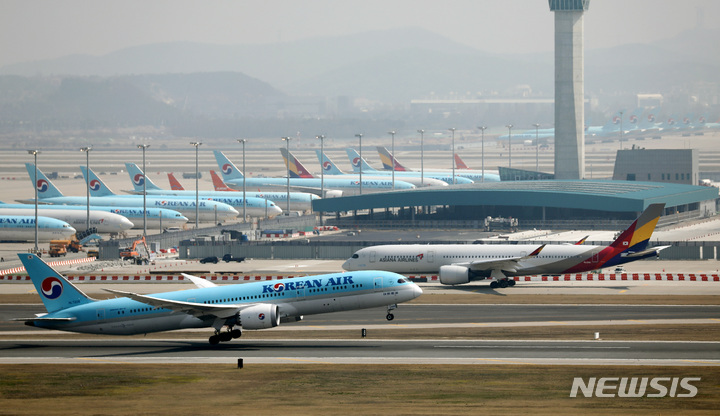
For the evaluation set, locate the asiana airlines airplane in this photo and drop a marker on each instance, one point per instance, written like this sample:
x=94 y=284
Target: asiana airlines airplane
x=227 y=309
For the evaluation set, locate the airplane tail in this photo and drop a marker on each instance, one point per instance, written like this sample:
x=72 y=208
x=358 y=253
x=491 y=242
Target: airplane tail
x=356 y=161
x=297 y=170
x=459 y=164
x=327 y=164
x=218 y=183
x=137 y=177
x=45 y=187
x=636 y=237
x=174 y=183
x=96 y=185
x=56 y=292
x=227 y=168
x=389 y=162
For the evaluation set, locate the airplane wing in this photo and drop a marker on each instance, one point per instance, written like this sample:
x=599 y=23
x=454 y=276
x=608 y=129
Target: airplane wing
x=651 y=250
x=198 y=281
x=508 y=264
x=198 y=310
x=40 y=318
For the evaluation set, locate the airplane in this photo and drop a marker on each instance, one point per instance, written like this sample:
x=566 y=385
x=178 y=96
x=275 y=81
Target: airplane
x=299 y=201
x=22 y=228
x=333 y=187
x=254 y=206
x=255 y=305
x=207 y=210
x=529 y=134
x=331 y=170
x=50 y=196
x=357 y=161
x=103 y=221
x=459 y=163
x=458 y=264
x=474 y=175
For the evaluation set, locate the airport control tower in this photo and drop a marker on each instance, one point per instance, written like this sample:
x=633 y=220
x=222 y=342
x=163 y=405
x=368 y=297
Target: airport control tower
x=569 y=88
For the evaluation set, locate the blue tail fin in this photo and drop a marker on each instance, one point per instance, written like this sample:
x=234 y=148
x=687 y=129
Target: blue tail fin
x=227 y=168
x=56 y=292
x=137 y=177
x=45 y=187
x=96 y=185
x=328 y=165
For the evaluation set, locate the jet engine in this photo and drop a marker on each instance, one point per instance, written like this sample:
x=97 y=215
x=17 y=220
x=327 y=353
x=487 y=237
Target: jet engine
x=454 y=275
x=260 y=317
x=333 y=193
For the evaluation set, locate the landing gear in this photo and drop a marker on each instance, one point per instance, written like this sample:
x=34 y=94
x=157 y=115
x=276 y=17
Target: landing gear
x=502 y=283
x=224 y=336
x=389 y=315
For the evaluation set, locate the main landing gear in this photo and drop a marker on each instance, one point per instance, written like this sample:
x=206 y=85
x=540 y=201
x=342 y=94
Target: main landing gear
x=225 y=336
x=502 y=283
x=390 y=316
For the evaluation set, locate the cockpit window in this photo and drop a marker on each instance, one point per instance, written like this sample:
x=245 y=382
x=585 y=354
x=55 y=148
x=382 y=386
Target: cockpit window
x=403 y=280
x=355 y=256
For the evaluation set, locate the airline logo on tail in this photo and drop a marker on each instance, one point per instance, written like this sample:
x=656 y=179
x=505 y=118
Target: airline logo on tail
x=42 y=185
x=227 y=169
x=327 y=166
x=94 y=185
x=139 y=179
x=356 y=162
x=52 y=288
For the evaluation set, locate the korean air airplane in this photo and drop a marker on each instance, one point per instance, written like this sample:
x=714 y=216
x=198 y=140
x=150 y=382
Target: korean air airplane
x=458 y=264
x=22 y=228
x=389 y=160
x=226 y=309
x=334 y=187
x=49 y=194
x=357 y=162
x=254 y=206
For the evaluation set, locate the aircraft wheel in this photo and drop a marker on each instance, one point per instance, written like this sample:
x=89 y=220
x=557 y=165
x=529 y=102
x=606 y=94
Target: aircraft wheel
x=494 y=284
x=225 y=336
x=503 y=283
x=511 y=283
x=214 y=340
x=390 y=317
x=236 y=333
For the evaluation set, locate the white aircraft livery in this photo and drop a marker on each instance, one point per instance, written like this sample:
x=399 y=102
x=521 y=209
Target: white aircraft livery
x=256 y=305
x=458 y=263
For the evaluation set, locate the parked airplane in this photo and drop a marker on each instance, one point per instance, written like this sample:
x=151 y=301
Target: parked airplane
x=458 y=264
x=207 y=210
x=256 y=305
x=49 y=194
x=356 y=161
x=333 y=187
x=103 y=221
x=332 y=171
x=254 y=206
x=475 y=175
x=299 y=201
x=22 y=228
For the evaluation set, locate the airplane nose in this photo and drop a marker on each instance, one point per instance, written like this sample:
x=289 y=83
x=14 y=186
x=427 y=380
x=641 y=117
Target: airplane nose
x=416 y=290
x=126 y=224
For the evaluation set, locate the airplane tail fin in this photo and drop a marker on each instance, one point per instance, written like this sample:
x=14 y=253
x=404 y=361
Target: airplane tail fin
x=174 y=183
x=297 y=170
x=218 y=183
x=636 y=237
x=137 y=177
x=45 y=187
x=389 y=162
x=56 y=292
x=459 y=164
x=96 y=185
x=356 y=161
x=327 y=164
x=227 y=168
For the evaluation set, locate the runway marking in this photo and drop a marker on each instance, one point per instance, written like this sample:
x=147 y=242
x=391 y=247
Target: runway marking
x=701 y=362
x=623 y=291
x=303 y=361
x=536 y=347
x=102 y=360
x=502 y=361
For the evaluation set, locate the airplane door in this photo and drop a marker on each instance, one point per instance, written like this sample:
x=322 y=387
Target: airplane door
x=372 y=256
x=300 y=293
x=378 y=284
x=100 y=314
x=431 y=256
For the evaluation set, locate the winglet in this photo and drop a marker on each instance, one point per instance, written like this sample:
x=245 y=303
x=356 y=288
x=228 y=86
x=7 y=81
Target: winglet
x=537 y=251
x=582 y=241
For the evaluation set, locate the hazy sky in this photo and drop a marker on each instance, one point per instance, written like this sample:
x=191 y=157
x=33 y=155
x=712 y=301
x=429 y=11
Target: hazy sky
x=39 y=29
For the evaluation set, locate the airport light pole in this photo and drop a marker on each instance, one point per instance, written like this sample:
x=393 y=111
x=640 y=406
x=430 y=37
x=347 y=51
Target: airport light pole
x=452 y=129
x=322 y=170
x=482 y=150
x=287 y=147
x=509 y=126
x=197 y=185
x=35 y=153
x=422 y=157
x=242 y=141
x=621 y=130
x=537 y=148
x=143 y=147
x=359 y=136
x=392 y=146
x=87 y=150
